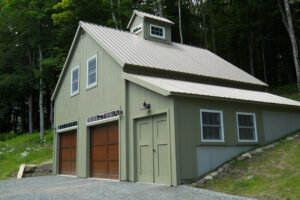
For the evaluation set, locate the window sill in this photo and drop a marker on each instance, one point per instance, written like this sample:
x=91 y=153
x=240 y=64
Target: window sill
x=91 y=86
x=75 y=94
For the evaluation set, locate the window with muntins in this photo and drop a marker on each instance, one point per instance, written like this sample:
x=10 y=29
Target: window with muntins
x=212 y=126
x=246 y=127
x=75 y=80
x=157 y=31
x=92 y=71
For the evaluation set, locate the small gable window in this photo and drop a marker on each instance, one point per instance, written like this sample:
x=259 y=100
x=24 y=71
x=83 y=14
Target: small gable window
x=157 y=31
x=246 y=123
x=75 y=80
x=91 y=72
x=212 y=126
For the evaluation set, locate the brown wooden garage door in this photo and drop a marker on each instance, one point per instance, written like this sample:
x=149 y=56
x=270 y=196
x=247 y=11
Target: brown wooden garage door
x=67 y=153
x=104 y=152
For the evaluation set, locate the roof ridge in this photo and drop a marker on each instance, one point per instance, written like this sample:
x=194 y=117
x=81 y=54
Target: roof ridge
x=127 y=32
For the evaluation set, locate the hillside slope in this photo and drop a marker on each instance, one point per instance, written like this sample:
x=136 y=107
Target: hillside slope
x=273 y=174
x=27 y=149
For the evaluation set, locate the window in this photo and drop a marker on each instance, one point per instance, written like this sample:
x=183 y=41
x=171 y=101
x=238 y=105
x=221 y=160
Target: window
x=75 y=80
x=212 y=126
x=157 y=31
x=246 y=124
x=137 y=29
x=91 y=72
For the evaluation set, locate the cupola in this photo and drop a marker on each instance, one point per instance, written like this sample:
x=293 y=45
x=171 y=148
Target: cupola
x=150 y=27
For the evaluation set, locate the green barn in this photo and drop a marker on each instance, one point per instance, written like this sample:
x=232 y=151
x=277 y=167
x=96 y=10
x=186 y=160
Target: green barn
x=135 y=106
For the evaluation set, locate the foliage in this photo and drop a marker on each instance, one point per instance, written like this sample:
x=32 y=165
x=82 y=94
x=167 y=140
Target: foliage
x=24 y=25
x=288 y=91
x=29 y=149
x=274 y=174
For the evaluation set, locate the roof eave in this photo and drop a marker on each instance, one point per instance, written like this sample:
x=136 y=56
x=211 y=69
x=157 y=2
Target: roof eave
x=146 y=85
x=65 y=64
x=233 y=100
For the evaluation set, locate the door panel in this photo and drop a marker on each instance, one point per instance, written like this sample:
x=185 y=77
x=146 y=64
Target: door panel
x=104 y=151
x=67 y=153
x=144 y=150
x=153 y=154
x=161 y=153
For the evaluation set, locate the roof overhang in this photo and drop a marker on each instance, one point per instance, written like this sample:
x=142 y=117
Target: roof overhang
x=135 y=12
x=165 y=89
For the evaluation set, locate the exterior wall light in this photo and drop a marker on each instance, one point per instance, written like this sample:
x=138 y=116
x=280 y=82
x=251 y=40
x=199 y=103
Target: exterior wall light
x=146 y=106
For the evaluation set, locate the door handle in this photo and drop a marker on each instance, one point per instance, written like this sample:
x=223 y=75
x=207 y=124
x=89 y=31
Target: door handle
x=154 y=150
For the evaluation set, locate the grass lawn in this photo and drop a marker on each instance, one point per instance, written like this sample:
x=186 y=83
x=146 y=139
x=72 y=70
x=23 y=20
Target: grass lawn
x=273 y=174
x=27 y=149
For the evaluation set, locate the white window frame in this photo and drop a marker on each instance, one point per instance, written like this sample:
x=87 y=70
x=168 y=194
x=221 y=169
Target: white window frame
x=138 y=26
x=87 y=72
x=157 y=36
x=221 y=123
x=254 y=124
x=76 y=92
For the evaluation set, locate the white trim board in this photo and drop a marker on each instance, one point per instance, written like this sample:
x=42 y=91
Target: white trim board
x=254 y=124
x=221 y=123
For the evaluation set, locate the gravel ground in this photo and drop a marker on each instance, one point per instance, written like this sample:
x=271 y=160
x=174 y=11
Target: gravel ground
x=65 y=188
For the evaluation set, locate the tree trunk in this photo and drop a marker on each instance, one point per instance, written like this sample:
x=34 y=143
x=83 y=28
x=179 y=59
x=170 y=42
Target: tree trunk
x=264 y=61
x=205 y=33
x=212 y=27
x=52 y=114
x=160 y=8
x=113 y=14
x=119 y=14
x=30 y=111
x=251 y=58
x=288 y=23
x=41 y=107
x=179 y=15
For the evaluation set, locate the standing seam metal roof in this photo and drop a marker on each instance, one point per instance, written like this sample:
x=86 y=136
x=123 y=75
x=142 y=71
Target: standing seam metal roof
x=134 y=50
x=192 y=88
x=147 y=15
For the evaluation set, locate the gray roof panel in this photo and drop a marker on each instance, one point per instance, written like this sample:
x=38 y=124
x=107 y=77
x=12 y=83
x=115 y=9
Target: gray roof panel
x=192 y=88
x=134 y=50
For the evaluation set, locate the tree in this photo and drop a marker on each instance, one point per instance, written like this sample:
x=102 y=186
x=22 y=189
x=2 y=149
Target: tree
x=288 y=23
x=180 y=28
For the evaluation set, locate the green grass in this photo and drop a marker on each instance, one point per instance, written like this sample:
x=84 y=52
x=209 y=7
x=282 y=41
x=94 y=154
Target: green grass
x=289 y=91
x=24 y=149
x=273 y=174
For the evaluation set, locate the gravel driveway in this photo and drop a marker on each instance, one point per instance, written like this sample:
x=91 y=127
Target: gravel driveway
x=65 y=188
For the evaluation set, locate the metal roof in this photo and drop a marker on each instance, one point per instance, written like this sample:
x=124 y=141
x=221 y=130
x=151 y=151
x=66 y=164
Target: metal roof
x=147 y=15
x=131 y=49
x=169 y=86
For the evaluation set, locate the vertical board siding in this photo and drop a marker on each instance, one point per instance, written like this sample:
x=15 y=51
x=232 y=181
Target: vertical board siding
x=103 y=97
x=188 y=126
x=278 y=123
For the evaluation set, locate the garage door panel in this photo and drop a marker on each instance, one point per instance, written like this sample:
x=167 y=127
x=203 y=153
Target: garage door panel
x=101 y=137
x=113 y=167
x=99 y=168
x=67 y=153
x=113 y=152
x=98 y=153
x=104 y=151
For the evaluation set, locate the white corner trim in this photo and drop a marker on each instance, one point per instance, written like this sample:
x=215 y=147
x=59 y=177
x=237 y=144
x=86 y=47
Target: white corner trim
x=87 y=72
x=76 y=92
x=254 y=124
x=157 y=36
x=221 y=122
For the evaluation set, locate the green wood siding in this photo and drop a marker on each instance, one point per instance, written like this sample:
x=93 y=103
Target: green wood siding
x=187 y=112
x=105 y=96
x=136 y=95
